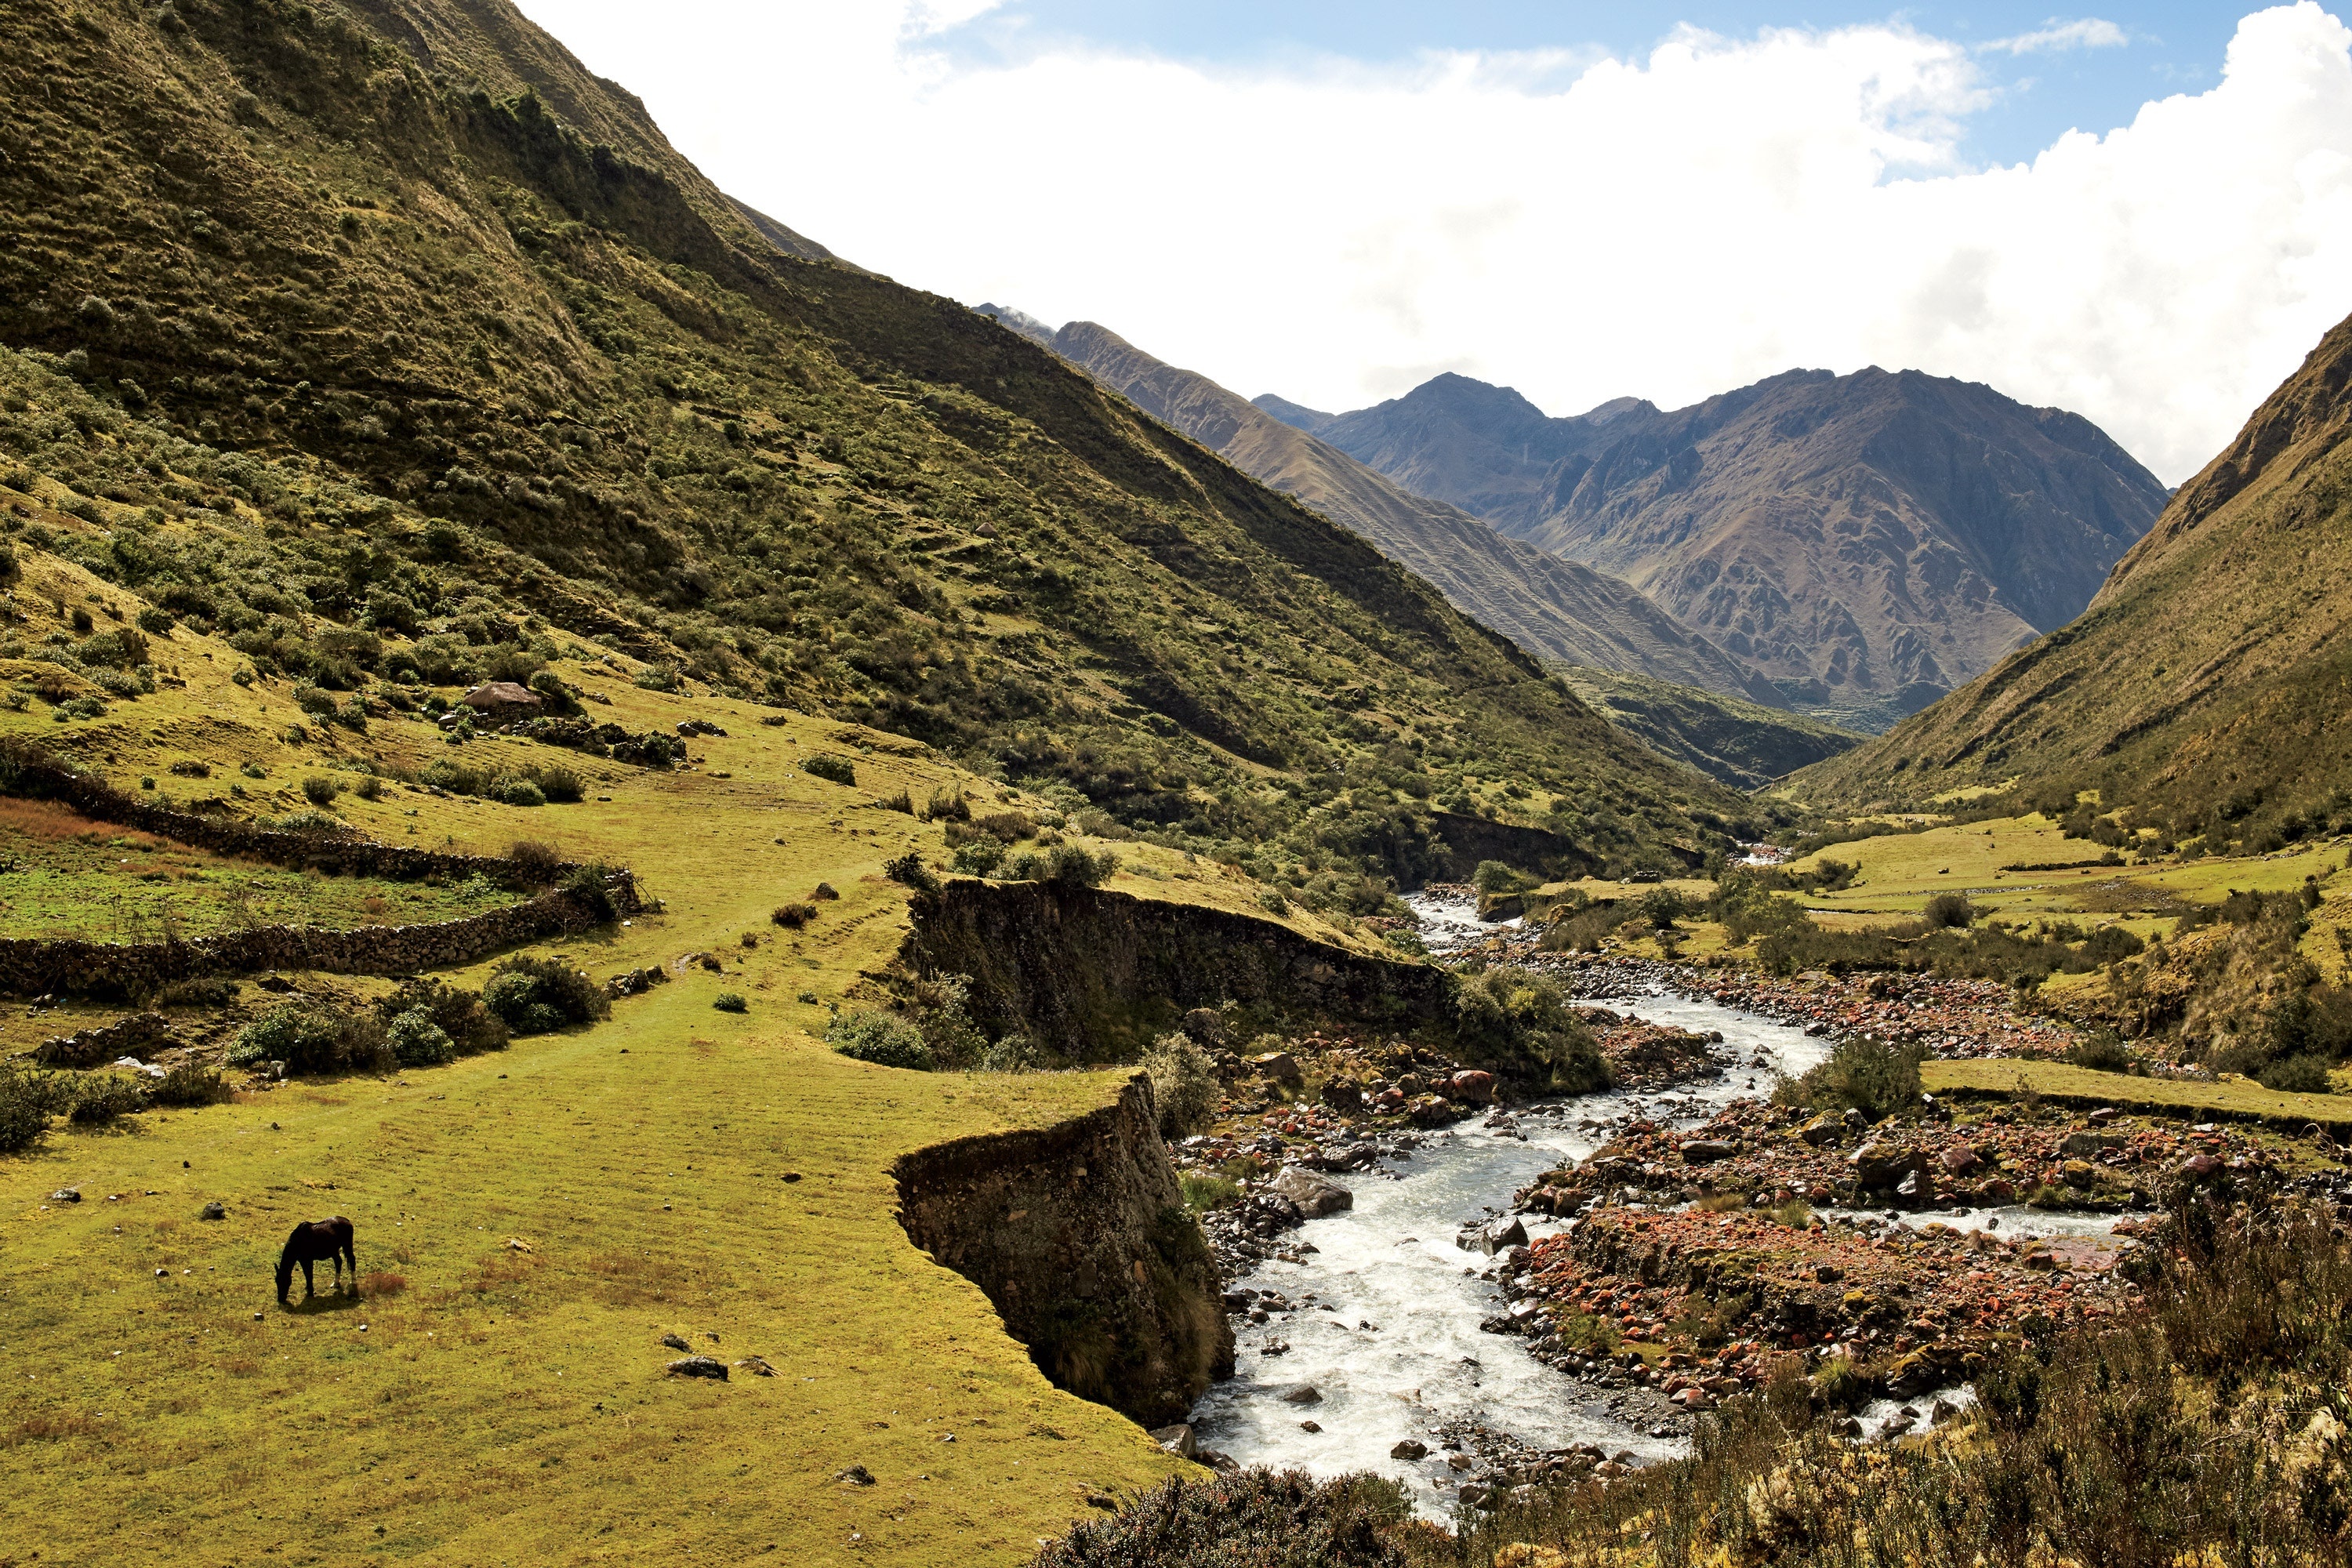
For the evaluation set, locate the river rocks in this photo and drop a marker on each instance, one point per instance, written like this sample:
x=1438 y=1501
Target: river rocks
x=1472 y=1087
x=1706 y=1151
x=698 y=1366
x=1882 y=1165
x=1177 y=1439
x=1279 y=1066
x=1314 y=1195
x=1410 y=1448
x=1305 y=1394
x=1959 y=1161
x=1493 y=1236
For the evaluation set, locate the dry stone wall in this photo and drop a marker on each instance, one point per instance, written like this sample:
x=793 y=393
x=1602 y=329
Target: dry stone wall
x=1078 y=1236
x=39 y=967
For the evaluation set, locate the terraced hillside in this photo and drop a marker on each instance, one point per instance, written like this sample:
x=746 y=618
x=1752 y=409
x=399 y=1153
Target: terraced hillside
x=2204 y=687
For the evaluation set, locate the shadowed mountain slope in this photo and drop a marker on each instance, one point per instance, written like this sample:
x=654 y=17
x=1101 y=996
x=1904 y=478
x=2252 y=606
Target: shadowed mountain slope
x=2209 y=685
x=1866 y=540
x=1739 y=743
x=1553 y=608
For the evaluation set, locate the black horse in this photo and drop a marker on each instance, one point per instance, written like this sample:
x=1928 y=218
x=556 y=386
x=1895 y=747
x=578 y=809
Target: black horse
x=313 y=1240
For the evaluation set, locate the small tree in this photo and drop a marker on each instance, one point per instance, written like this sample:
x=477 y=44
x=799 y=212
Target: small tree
x=1183 y=1083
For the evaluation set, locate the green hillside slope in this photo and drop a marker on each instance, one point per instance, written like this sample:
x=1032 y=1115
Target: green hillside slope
x=454 y=316
x=2207 y=684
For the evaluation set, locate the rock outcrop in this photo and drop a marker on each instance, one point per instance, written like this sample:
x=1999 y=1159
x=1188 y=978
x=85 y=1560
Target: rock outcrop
x=1078 y=1236
x=1096 y=974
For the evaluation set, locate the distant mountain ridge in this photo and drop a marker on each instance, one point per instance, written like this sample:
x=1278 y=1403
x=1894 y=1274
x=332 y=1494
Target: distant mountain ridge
x=1866 y=540
x=1554 y=608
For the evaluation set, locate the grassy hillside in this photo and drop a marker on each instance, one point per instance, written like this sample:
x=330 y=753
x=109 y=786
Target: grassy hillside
x=1740 y=744
x=2204 y=687
x=448 y=313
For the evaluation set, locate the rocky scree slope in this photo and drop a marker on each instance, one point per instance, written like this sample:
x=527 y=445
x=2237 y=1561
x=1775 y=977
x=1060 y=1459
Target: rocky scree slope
x=1867 y=540
x=2205 y=687
x=453 y=319
x=1553 y=608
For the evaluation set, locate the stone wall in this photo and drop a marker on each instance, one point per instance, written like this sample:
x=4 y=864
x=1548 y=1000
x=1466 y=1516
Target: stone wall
x=1095 y=975
x=35 y=967
x=24 y=770
x=1078 y=1236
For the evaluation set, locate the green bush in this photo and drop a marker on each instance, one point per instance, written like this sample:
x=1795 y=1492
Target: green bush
x=561 y=784
x=2102 y=1051
x=839 y=770
x=947 y=805
x=1495 y=876
x=1203 y=1192
x=731 y=1002
x=320 y=791
x=908 y=869
x=1013 y=1053
x=309 y=1038
x=793 y=917
x=979 y=857
x=417 y=1041
x=28 y=1100
x=101 y=1098
x=1518 y=1023
x=1662 y=907
x=2303 y=1074
x=516 y=790
x=1257 y=1518
x=1070 y=864
x=534 y=995
x=1184 y=1084
x=1875 y=1076
x=1948 y=911
x=188 y=1084
x=902 y=801
x=884 y=1038
x=469 y=1026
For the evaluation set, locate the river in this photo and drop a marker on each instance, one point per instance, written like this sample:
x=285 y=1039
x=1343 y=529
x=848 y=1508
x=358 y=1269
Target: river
x=1384 y=1325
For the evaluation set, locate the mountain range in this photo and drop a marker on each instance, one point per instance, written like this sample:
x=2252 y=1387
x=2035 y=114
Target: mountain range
x=2207 y=687
x=1866 y=542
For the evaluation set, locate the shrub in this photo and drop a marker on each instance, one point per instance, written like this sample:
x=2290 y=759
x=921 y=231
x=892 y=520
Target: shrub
x=902 y=801
x=307 y=1037
x=1183 y=1083
x=1203 y=1192
x=1273 y=902
x=189 y=1084
x=979 y=857
x=1948 y=911
x=28 y=1100
x=1071 y=866
x=731 y=1002
x=516 y=791
x=792 y=916
x=1519 y=1022
x=1007 y=826
x=561 y=784
x=2303 y=1074
x=469 y=1026
x=1662 y=907
x=370 y=787
x=884 y=1038
x=320 y=790
x=305 y=821
x=535 y=859
x=155 y=622
x=417 y=1041
x=908 y=869
x=590 y=886
x=534 y=995
x=1494 y=877
x=947 y=805
x=839 y=770
x=101 y=1098
x=1013 y=1053
x=202 y=990
x=2102 y=1051
x=314 y=699
x=1875 y=1076
x=190 y=768
x=1257 y=1517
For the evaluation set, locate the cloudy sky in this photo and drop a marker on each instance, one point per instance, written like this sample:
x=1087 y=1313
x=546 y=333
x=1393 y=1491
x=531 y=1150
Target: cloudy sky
x=2144 y=216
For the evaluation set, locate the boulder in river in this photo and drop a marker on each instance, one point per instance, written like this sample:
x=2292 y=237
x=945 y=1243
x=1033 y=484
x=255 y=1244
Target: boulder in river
x=1495 y=1236
x=1473 y=1087
x=1305 y=1394
x=1410 y=1448
x=1314 y=1195
x=1177 y=1439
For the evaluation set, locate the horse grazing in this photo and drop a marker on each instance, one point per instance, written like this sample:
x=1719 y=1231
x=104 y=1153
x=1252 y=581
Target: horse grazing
x=313 y=1240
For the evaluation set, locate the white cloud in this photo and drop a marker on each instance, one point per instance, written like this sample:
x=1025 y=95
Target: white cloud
x=1668 y=227
x=2089 y=33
